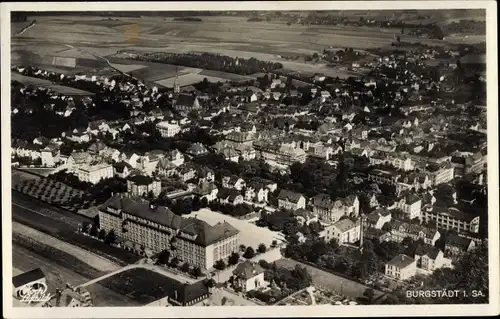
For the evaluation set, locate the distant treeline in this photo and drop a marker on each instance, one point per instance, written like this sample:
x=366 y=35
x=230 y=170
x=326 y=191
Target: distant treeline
x=190 y=19
x=211 y=61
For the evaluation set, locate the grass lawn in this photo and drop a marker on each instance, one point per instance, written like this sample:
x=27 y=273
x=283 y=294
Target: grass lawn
x=141 y=285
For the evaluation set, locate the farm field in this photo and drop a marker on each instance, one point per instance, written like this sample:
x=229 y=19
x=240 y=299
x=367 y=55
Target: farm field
x=27 y=80
x=232 y=36
x=188 y=79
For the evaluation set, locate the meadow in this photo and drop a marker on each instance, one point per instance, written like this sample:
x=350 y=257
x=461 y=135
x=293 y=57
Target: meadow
x=31 y=81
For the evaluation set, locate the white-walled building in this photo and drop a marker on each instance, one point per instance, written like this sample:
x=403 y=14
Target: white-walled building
x=95 y=173
x=167 y=129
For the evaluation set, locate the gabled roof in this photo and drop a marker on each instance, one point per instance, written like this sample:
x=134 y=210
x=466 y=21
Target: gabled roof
x=247 y=270
x=206 y=235
x=289 y=196
x=401 y=261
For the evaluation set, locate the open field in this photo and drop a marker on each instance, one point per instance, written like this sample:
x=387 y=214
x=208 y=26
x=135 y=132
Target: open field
x=250 y=234
x=232 y=36
x=27 y=80
x=96 y=261
x=142 y=285
x=188 y=79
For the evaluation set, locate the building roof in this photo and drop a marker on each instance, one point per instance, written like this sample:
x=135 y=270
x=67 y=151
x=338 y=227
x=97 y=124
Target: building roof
x=289 y=196
x=323 y=201
x=185 y=99
x=157 y=214
x=27 y=277
x=413 y=229
x=458 y=241
x=206 y=235
x=247 y=270
x=401 y=261
x=431 y=251
x=346 y=224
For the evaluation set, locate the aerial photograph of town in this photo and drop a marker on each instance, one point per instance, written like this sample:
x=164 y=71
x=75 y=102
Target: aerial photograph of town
x=248 y=158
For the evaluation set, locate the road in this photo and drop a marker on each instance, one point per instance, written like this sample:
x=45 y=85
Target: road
x=329 y=281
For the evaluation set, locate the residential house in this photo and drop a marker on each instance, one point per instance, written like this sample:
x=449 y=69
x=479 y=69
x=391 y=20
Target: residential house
x=439 y=174
x=165 y=167
x=401 y=230
x=205 y=173
x=197 y=149
x=78 y=136
x=378 y=218
x=457 y=245
x=167 y=129
x=233 y=182
x=95 y=173
x=206 y=189
x=229 y=196
x=291 y=200
x=430 y=258
x=140 y=185
x=176 y=157
x=98 y=126
x=344 y=231
x=255 y=191
x=305 y=217
x=186 y=173
x=50 y=155
x=248 y=276
x=410 y=204
x=331 y=211
x=401 y=267
x=77 y=159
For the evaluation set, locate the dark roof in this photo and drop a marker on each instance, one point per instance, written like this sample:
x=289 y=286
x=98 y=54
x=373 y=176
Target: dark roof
x=431 y=251
x=247 y=270
x=184 y=293
x=27 y=277
x=120 y=166
x=206 y=235
x=323 y=201
x=289 y=195
x=185 y=99
x=401 y=261
x=159 y=214
x=458 y=241
x=140 y=179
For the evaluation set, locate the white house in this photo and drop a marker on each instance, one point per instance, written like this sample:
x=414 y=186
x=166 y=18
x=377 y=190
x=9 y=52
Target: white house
x=167 y=129
x=401 y=267
x=344 y=231
x=248 y=276
x=291 y=200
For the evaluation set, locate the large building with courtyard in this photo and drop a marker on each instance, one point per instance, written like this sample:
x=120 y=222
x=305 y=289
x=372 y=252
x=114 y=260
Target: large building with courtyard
x=156 y=228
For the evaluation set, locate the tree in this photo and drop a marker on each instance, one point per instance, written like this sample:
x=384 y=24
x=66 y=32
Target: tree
x=110 y=237
x=242 y=247
x=220 y=264
x=233 y=259
x=249 y=253
x=262 y=248
x=197 y=272
x=264 y=264
x=163 y=257
x=102 y=234
x=274 y=243
x=185 y=267
x=174 y=262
